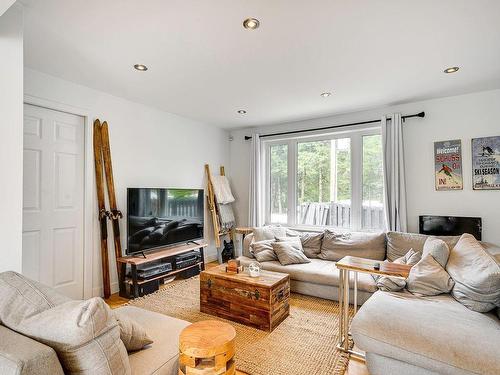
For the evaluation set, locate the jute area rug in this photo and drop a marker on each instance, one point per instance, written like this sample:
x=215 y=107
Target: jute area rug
x=304 y=343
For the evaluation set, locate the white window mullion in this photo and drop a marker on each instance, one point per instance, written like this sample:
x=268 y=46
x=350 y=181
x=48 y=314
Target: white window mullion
x=292 y=182
x=356 y=180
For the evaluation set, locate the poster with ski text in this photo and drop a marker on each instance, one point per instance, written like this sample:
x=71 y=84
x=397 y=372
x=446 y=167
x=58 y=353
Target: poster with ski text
x=448 y=165
x=486 y=163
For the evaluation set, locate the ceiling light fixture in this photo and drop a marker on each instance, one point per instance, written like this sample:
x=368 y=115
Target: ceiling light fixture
x=140 y=67
x=242 y=111
x=453 y=69
x=326 y=94
x=251 y=23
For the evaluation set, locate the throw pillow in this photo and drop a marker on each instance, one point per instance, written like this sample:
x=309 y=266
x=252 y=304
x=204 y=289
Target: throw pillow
x=335 y=246
x=311 y=243
x=398 y=243
x=294 y=241
x=476 y=275
x=132 y=334
x=84 y=334
x=394 y=284
x=438 y=249
x=268 y=232
x=263 y=251
x=287 y=253
x=428 y=278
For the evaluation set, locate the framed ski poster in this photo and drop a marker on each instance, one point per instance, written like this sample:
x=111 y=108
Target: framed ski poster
x=486 y=163
x=448 y=165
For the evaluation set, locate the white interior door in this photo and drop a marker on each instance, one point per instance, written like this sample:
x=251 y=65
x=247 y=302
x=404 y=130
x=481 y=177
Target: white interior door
x=53 y=198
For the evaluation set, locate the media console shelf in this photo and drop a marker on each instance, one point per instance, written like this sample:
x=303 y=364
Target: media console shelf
x=154 y=256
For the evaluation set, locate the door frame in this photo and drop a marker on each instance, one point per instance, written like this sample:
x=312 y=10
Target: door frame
x=88 y=185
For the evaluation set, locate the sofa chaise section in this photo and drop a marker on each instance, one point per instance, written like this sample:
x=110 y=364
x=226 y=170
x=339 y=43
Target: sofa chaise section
x=405 y=334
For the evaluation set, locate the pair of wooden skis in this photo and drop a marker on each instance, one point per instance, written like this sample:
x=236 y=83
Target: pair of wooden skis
x=102 y=159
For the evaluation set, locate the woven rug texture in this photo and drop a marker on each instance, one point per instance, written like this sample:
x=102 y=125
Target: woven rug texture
x=304 y=343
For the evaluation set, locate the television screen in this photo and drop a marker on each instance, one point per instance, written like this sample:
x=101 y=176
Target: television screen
x=450 y=225
x=162 y=217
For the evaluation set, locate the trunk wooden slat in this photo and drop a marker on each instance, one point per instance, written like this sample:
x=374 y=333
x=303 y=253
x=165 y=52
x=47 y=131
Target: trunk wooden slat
x=260 y=302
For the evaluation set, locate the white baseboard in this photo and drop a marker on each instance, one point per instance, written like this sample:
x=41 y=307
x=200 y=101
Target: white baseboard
x=99 y=291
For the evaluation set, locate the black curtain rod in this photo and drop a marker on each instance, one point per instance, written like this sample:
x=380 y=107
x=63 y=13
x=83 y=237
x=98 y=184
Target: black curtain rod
x=247 y=137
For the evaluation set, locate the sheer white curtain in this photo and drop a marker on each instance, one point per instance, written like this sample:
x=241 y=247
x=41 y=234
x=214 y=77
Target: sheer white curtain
x=394 y=173
x=256 y=202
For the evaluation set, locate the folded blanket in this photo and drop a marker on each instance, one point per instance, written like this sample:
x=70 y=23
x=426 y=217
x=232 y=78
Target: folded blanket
x=222 y=190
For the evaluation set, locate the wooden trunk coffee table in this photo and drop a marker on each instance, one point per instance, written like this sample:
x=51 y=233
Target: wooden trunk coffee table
x=260 y=302
x=354 y=264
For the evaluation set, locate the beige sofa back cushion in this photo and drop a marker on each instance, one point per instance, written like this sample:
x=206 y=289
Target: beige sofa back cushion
x=84 y=334
x=476 y=275
x=399 y=243
x=335 y=246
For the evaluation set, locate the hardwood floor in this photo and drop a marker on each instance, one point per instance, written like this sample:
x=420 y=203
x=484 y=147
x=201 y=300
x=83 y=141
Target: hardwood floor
x=356 y=367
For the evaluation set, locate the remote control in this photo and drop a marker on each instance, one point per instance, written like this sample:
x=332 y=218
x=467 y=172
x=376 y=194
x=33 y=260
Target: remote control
x=376 y=266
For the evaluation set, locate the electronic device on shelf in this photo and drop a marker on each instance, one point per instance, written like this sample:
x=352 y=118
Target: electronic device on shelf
x=153 y=270
x=158 y=217
x=187 y=259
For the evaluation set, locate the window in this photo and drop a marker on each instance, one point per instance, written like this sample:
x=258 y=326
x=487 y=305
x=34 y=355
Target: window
x=334 y=180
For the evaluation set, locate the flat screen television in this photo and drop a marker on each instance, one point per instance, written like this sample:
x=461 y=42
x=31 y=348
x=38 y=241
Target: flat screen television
x=161 y=217
x=450 y=225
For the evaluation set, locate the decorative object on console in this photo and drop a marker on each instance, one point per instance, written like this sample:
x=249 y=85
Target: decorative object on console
x=227 y=252
x=486 y=163
x=448 y=165
x=233 y=266
x=254 y=269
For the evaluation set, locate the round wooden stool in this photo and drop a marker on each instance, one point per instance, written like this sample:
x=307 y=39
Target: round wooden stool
x=207 y=348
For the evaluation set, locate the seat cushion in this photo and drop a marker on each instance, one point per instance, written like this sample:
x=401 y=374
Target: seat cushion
x=436 y=333
x=318 y=271
x=161 y=357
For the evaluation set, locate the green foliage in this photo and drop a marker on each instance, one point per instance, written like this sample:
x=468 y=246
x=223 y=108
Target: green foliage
x=373 y=184
x=279 y=178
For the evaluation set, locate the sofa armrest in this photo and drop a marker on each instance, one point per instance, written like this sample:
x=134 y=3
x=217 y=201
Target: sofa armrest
x=20 y=355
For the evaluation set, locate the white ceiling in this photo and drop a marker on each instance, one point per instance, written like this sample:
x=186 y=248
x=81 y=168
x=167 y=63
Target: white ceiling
x=204 y=65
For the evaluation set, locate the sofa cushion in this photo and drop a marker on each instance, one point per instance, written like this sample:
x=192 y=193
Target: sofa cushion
x=335 y=246
x=438 y=249
x=21 y=355
x=263 y=251
x=311 y=243
x=436 y=333
x=289 y=252
x=394 y=284
x=476 y=275
x=428 y=278
x=132 y=334
x=398 y=243
x=319 y=271
x=84 y=334
x=160 y=358
x=268 y=232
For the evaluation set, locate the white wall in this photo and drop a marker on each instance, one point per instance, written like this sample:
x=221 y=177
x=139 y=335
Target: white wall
x=4 y=5
x=150 y=148
x=11 y=141
x=459 y=117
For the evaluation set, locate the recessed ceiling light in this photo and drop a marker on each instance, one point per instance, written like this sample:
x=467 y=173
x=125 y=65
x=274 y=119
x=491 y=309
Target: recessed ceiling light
x=326 y=94
x=242 y=111
x=251 y=23
x=453 y=69
x=141 y=67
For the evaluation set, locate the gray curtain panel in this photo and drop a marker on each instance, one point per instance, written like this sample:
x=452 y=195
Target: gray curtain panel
x=256 y=193
x=394 y=176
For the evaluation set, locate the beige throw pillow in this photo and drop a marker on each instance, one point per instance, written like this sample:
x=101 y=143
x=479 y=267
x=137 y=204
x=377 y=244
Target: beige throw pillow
x=263 y=251
x=268 y=232
x=294 y=241
x=132 y=334
x=476 y=275
x=428 y=278
x=394 y=284
x=287 y=253
x=438 y=249
x=335 y=246
x=311 y=243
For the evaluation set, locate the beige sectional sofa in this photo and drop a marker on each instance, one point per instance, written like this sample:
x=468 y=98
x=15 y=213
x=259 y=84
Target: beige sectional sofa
x=400 y=332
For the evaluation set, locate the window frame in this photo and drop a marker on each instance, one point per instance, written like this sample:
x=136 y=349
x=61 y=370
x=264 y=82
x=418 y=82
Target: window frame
x=356 y=154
